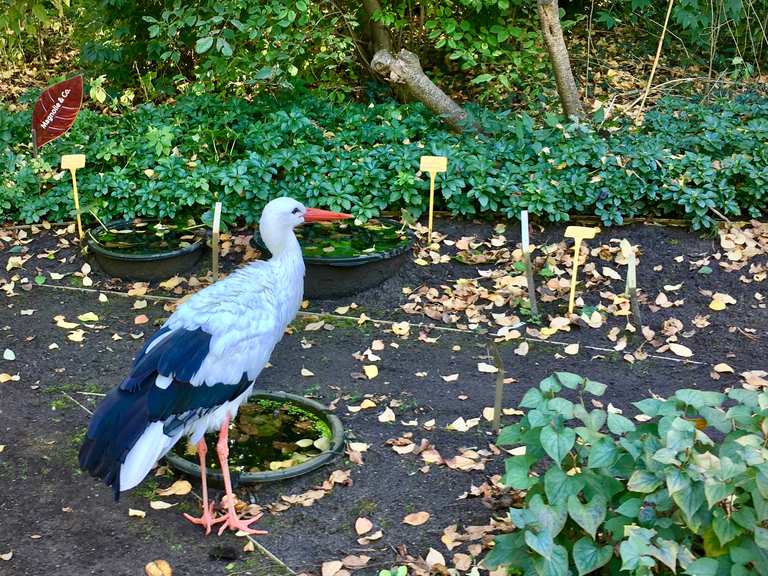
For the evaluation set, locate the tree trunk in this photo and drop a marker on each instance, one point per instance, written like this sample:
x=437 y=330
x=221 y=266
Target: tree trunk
x=404 y=70
x=549 y=14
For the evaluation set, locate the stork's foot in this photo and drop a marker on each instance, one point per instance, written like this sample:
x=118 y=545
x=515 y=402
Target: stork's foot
x=233 y=522
x=207 y=519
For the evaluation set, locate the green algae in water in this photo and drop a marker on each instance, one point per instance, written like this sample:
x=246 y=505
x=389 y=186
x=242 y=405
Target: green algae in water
x=268 y=435
x=345 y=240
x=141 y=237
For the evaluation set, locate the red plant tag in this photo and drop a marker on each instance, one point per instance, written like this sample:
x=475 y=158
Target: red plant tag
x=56 y=110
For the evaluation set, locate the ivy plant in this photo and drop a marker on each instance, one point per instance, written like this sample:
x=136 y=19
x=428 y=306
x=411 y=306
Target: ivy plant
x=680 y=488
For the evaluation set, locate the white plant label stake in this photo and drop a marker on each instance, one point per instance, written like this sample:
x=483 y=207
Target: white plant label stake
x=73 y=162
x=527 y=262
x=215 y=241
x=433 y=165
x=631 y=286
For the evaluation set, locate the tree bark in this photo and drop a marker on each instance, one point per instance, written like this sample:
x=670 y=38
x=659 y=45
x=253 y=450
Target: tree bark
x=549 y=14
x=404 y=70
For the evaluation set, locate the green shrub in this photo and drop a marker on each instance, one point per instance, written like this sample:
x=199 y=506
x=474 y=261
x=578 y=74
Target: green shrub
x=170 y=161
x=683 y=488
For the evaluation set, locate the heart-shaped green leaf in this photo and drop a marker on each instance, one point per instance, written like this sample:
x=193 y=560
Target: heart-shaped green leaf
x=588 y=557
x=590 y=515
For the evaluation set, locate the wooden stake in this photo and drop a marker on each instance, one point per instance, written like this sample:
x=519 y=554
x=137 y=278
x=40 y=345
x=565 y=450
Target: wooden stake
x=578 y=233
x=215 y=241
x=631 y=285
x=527 y=261
x=658 y=55
x=73 y=162
x=499 y=386
x=432 y=165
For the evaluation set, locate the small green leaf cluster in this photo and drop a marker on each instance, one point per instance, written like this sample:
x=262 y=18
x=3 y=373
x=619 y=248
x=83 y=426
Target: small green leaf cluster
x=174 y=161
x=682 y=488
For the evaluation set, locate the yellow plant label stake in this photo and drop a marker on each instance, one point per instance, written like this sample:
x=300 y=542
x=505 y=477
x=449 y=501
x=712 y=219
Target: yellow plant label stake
x=73 y=162
x=433 y=165
x=578 y=233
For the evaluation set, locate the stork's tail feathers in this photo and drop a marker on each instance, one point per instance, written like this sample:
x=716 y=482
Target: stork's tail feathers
x=119 y=423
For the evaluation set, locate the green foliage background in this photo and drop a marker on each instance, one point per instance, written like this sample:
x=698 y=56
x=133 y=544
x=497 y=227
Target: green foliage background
x=169 y=161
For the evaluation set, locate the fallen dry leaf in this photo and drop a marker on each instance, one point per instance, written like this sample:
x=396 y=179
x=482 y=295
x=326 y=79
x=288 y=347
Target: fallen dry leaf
x=88 y=317
x=307 y=373
x=416 y=518
x=371 y=371
x=723 y=368
x=158 y=568
x=572 y=349
x=434 y=558
x=387 y=416
x=680 y=350
x=178 y=488
x=486 y=368
x=331 y=567
x=160 y=505
x=363 y=526
x=136 y=513
x=141 y=319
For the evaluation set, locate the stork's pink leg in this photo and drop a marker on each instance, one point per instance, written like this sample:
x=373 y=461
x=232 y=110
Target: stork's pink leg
x=232 y=521
x=207 y=519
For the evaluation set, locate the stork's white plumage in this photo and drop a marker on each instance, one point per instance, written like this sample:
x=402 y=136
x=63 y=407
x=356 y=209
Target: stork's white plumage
x=194 y=373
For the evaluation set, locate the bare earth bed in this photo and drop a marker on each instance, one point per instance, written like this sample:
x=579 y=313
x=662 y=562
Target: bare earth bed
x=417 y=459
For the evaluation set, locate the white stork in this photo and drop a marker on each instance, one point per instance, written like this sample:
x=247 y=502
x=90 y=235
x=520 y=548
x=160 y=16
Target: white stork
x=193 y=374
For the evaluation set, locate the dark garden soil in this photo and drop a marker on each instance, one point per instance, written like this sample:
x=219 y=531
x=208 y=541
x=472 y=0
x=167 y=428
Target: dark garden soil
x=58 y=521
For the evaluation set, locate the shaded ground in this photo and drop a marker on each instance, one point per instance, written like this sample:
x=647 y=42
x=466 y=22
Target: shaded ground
x=83 y=532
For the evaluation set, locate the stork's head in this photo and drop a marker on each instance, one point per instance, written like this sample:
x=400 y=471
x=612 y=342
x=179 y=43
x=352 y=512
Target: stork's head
x=282 y=215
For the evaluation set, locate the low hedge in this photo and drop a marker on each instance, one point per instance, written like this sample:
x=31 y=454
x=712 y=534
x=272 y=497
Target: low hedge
x=173 y=160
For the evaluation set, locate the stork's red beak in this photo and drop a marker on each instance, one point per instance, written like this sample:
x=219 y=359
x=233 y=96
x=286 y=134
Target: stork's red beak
x=317 y=215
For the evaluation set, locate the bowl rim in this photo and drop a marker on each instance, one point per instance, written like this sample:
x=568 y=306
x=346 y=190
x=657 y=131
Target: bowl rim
x=336 y=448
x=349 y=261
x=98 y=248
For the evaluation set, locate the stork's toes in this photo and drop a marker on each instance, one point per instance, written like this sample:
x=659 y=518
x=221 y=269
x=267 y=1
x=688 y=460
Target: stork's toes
x=207 y=519
x=239 y=525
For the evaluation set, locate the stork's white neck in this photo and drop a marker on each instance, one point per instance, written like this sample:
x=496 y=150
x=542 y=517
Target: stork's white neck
x=279 y=239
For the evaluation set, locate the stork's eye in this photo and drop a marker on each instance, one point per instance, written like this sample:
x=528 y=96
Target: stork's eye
x=295 y=211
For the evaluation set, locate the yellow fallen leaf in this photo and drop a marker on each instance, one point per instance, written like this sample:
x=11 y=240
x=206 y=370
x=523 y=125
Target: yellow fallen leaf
x=160 y=505
x=416 y=519
x=387 y=416
x=88 y=317
x=8 y=378
x=306 y=373
x=76 y=335
x=178 y=488
x=342 y=310
x=136 y=513
x=572 y=349
x=87 y=282
x=680 y=350
x=249 y=546
x=522 y=349
x=722 y=368
x=371 y=371
x=313 y=326
x=359 y=446
x=488 y=413
x=171 y=283
x=158 y=568
x=139 y=304
x=7 y=556
x=62 y=323
x=401 y=328
x=717 y=305
x=141 y=319
x=486 y=368
x=367 y=403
